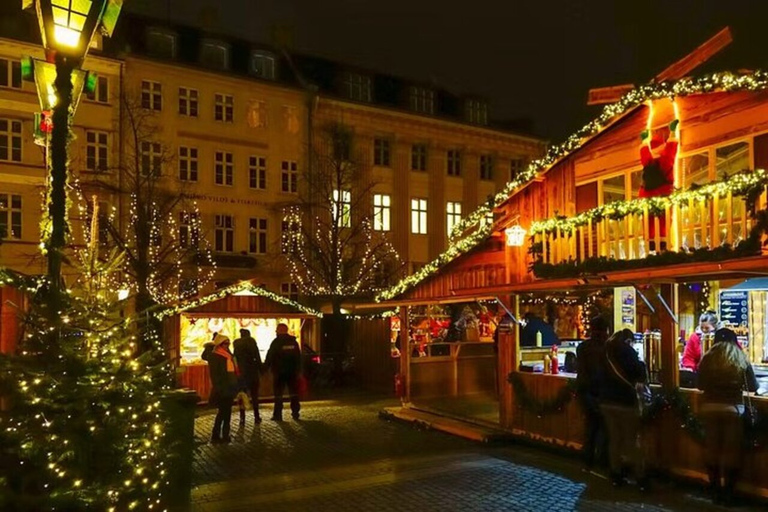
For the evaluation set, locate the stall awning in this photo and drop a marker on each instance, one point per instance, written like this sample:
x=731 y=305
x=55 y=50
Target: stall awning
x=757 y=283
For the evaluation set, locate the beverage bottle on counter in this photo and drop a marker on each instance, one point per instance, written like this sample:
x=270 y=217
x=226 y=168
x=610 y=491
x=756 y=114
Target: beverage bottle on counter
x=538 y=338
x=555 y=362
x=547 y=364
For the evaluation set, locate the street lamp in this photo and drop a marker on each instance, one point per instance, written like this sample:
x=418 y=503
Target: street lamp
x=66 y=27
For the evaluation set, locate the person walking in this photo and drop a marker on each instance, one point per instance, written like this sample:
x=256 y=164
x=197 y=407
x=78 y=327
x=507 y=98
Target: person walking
x=590 y=368
x=284 y=360
x=249 y=361
x=625 y=378
x=223 y=372
x=724 y=374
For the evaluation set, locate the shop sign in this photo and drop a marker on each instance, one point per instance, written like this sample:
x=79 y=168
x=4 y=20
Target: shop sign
x=734 y=308
x=625 y=308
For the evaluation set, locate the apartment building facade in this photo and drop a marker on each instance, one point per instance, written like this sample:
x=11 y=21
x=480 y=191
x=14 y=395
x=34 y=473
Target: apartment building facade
x=237 y=120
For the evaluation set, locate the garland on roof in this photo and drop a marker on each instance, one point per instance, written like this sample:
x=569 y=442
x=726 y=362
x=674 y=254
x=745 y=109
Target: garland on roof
x=235 y=288
x=724 y=81
x=749 y=184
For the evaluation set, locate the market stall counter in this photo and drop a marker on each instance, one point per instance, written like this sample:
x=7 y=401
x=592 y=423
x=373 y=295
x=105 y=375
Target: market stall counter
x=190 y=325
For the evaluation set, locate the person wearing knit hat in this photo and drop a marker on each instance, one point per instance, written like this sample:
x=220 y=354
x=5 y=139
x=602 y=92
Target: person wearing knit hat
x=223 y=371
x=658 y=155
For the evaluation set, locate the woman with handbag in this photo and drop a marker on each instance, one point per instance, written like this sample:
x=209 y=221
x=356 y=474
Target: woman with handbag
x=724 y=375
x=623 y=394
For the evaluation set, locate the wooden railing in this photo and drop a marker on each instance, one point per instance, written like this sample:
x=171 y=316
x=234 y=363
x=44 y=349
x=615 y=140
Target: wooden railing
x=704 y=218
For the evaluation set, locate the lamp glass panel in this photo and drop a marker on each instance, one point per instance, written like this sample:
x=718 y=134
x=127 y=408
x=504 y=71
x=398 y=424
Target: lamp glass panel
x=77 y=22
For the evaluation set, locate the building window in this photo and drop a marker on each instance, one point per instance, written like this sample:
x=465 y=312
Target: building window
x=453 y=210
x=419 y=157
x=189 y=235
x=257 y=172
x=419 y=216
x=476 y=112
x=486 y=167
x=263 y=65
x=257 y=236
x=101 y=92
x=381 y=152
x=257 y=114
x=454 y=162
x=188 y=102
x=224 y=168
x=96 y=151
x=151 y=158
x=10 y=216
x=357 y=87
x=225 y=233
x=341 y=208
x=382 y=211
x=161 y=44
x=151 y=95
x=290 y=176
x=214 y=54
x=224 y=108
x=422 y=100
x=10 y=140
x=516 y=167
x=290 y=290
x=187 y=163
x=10 y=73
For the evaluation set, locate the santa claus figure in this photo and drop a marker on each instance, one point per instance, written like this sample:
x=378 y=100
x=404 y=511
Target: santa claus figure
x=658 y=158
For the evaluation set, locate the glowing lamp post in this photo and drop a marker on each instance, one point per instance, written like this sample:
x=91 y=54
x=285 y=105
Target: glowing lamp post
x=515 y=236
x=66 y=27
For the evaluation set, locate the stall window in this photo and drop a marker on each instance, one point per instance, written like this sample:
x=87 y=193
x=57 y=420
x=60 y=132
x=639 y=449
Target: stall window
x=731 y=159
x=614 y=189
x=636 y=181
x=695 y=170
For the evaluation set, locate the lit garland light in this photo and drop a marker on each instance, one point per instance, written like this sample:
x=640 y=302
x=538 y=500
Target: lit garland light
x=739 y=185
x=244 y=287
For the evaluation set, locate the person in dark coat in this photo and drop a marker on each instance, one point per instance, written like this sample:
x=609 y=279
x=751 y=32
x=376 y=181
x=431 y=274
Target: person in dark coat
x=533 y=326
x=223 y=371
x=724 y=374
x=624 y=372
x=284 y=360
x=249 y=361
x=590 y=368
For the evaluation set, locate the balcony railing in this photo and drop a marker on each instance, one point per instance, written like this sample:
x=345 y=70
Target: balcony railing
x=715 y=215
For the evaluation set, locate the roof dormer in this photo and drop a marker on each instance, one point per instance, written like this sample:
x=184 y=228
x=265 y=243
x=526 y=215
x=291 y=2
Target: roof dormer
x=214 y=54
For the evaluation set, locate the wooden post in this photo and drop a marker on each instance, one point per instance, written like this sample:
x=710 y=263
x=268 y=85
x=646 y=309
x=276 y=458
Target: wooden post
x=405 y=353
x=669 y=335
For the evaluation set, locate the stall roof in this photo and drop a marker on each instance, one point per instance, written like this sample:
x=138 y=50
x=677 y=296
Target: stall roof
x=611 y=114
x=757 y=283
x=246 y=288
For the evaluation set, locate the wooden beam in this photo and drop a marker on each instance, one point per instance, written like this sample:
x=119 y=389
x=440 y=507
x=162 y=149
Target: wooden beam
x=697 y=57
x=603 y=95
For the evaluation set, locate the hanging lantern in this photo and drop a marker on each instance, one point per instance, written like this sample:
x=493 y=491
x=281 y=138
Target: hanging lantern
x=515 y=236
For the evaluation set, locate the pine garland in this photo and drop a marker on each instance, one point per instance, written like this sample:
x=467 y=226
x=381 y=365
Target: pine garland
x=541 y=408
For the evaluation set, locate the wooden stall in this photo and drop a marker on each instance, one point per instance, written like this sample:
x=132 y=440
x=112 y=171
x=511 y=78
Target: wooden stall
x=188 y=326
x=13 y=304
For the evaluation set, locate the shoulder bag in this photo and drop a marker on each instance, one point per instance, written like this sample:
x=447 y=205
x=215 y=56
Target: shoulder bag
x=643 y=393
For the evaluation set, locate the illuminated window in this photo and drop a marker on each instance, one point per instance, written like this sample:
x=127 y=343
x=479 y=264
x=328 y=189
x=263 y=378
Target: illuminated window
x=151 y=95
x=341 y=207
x=257 y=236
x=454 y=162
x=381 y=152
x=695 y=169
x=453 y=211
x=188 y=102
x=289 y=176
x=96 y=151
x=10 y=140
x=257 y=172
x=486 y=167
x=10 y=73
x=224 y=234
x=731 y=159
x=358 y=87
x=223 y=109
x=419 y=216
x=187 y=163
x=224 y=168
x=422 y=100
x=382 y=205
x=10 y=216
x=614 y=189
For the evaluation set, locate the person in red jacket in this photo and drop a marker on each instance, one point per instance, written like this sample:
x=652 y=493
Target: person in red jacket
x=658 y=158
x=692 y=353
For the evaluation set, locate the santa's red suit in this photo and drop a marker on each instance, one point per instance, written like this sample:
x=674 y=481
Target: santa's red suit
x=658 y=159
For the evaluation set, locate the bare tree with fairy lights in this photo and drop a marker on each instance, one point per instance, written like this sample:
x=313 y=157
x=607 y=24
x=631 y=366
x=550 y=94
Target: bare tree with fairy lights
x=334 y=236
x=158 y=226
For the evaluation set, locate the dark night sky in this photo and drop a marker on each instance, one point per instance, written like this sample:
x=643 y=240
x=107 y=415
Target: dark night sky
x=534 y=59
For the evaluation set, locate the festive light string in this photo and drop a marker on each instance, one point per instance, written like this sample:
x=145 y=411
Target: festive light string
x=245 y=286
x=738 y=185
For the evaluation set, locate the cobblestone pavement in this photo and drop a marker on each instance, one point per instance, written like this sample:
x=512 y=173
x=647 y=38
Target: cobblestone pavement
x=342 y=457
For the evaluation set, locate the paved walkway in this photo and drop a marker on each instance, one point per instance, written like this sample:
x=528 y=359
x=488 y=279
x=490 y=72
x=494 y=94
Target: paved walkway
x=342 y=457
